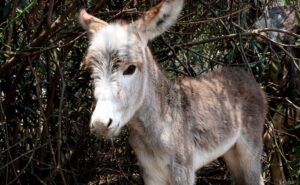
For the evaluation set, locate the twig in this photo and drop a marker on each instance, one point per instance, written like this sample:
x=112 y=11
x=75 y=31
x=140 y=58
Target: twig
x=59 y=140
x=44 y=49
x=203 y=56
x=243 y=52
x=207 y=20
x=9 y=156
x=38 y=40
x=123 y=10
x=11 y=23
x=290 y=102
x=14 y=145
x=122 y=171
x=245 y=34
x=23 y=170
x=50 y=12
x=46 y=127
x=22 y=155
x=280 y=31
x=2 y=114
x=177 y=71
x=234 y=35
x=176 y=57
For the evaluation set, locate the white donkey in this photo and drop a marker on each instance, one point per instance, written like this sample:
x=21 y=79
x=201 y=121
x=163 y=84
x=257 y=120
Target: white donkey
x=176 y=127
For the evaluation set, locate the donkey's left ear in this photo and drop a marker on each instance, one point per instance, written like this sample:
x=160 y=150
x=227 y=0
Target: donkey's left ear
x=158 y=19
x=91 y=23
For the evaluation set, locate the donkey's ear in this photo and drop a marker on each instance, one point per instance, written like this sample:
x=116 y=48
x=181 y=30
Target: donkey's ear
x=91 y=23
x=158 y=19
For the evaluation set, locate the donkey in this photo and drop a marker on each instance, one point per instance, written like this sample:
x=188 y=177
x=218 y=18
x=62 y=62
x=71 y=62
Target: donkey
x=176 y=126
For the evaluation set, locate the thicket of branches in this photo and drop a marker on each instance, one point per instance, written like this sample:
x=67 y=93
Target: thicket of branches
x=46 y=99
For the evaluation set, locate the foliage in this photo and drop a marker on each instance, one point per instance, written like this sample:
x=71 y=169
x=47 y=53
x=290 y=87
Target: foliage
x=46 y=99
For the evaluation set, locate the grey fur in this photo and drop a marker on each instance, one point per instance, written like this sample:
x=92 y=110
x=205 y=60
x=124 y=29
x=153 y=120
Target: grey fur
x=176 y=126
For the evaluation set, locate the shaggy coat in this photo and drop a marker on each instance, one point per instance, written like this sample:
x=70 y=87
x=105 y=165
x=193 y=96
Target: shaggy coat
x=176 y=127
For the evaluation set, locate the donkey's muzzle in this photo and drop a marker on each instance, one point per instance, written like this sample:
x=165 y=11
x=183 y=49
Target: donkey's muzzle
x=108 y=128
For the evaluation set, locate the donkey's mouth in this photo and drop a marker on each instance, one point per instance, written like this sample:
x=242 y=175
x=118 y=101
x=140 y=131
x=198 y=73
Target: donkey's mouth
x=106 y=132
x=114 y=132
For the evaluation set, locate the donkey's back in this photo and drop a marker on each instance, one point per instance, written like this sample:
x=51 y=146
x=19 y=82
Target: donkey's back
x=226 y=116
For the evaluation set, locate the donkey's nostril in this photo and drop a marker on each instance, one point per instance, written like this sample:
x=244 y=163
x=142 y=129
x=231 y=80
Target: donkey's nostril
x=109 y=122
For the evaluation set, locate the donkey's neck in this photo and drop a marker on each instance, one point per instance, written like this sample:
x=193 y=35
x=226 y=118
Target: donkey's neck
x=161 y=96
x=161 y=112
x=158 y=87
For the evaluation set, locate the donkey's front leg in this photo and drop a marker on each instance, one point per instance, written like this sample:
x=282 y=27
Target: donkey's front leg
x=155 y=171
x=150 y=178
x=181 y=174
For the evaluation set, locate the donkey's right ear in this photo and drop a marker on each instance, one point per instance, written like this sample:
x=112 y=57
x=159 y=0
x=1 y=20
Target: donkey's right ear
x=91 y=23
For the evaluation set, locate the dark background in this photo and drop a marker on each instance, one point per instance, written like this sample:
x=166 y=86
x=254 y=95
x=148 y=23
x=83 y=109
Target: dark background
x=46 y=99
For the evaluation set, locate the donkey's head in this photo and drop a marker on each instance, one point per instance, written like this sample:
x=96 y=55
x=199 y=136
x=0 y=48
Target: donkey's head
x=117 y=60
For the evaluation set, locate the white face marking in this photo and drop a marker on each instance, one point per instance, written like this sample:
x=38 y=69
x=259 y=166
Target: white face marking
x=116 y=60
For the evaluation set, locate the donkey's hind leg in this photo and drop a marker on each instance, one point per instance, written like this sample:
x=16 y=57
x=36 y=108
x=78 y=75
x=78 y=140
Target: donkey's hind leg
x=243 y=160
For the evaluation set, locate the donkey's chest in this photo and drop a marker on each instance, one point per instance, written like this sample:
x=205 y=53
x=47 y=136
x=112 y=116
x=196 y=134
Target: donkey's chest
x=155 y=164
x=153 y=157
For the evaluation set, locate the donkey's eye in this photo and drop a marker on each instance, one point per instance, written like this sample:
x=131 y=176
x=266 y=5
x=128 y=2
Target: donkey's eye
x=130 y=70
